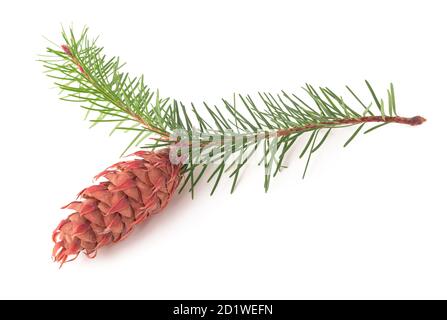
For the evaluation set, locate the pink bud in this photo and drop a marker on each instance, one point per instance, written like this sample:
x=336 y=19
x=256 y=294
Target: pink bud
x=66 y=50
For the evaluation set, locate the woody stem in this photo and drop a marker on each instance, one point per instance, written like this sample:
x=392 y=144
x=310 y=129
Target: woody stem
x=414 y=121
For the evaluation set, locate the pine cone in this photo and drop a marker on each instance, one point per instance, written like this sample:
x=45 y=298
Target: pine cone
x=108 y=211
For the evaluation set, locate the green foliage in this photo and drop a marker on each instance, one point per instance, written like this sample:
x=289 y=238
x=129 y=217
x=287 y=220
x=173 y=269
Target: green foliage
x=87 y=76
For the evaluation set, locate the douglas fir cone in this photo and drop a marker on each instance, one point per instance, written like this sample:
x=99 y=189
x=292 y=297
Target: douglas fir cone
x=108 y=211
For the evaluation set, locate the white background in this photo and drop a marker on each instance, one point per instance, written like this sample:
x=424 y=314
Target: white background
x=369 y=221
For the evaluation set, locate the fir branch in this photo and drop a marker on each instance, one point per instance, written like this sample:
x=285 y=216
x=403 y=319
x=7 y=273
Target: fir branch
x=86 y=75
x=226 y=135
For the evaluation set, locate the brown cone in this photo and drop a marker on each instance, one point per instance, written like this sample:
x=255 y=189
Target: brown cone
x=108 y=211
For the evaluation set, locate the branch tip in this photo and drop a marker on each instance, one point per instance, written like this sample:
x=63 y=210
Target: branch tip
x=417 y=120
